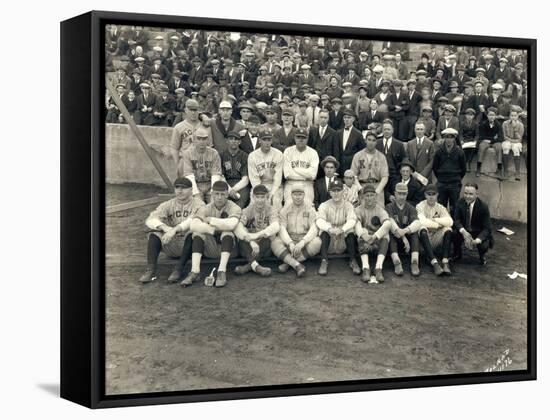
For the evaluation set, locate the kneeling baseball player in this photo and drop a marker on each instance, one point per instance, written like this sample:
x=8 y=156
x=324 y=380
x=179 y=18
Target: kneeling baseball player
x=169 y=224
x=336 y=220
x=372 y=227
x=212 y=228
x=258 y=224
x=404 y=230
x=297 y=240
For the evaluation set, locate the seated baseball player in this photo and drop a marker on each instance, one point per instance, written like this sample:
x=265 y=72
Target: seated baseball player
x=201 y=164
x=212 y=228
x=300 y=166
x=372 y=227
x=436 y=230
x=265 y=166
x=472 y=224
x=404 y=229
x=336 y=221
x=298 y=238
x=170 y=230
x=351 y=188
x=235 y=170
x=258 y=224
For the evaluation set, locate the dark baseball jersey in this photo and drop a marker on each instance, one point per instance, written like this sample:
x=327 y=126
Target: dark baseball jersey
x=256 y=219
x=371 y=218
x=201 y=165
x=234 y=167
x=403 y=217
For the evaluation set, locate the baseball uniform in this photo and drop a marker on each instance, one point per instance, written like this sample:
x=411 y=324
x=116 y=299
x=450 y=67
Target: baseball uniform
x=183 y=135
x=430 y=217
x=300 y=168
x=330 y=215
x=212 y=248
x=372 y=220
x=200 y=168
x=267 y=169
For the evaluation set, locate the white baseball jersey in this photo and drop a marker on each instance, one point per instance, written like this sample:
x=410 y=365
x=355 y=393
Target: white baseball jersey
x=265 y=168
x=173 y=212
x=297 y=219
x=336 y=215
x=183 y=135
x=300 y=165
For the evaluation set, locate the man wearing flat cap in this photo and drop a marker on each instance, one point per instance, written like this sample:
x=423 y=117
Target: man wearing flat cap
x=449 y=166
x=349 y=141
x=164 y=109
x=336 y=114
x=490 y=136
x=145 y=104
x=447 y=120
x=169 y=226
x=415 y=189
x=265 y=166
x=284 y=136
x=398 y=107
x=479 y=101
x=213 y=234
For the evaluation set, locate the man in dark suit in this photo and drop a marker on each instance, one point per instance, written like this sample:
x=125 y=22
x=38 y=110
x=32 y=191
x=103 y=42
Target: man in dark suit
x=415 y=193
x=370 y=116
x=284 y=136
x=329 y=166
x=145 y=105
x=472 y=224
x=160 y=69
x=413 y=113
x=461 y=78
x=420 y=151
x=349 y=141
x=197 y=75
x=322 y=139
x=251 y=140
x=479 y=101
x=394 y=151
x=398 y=108
x=336 y=116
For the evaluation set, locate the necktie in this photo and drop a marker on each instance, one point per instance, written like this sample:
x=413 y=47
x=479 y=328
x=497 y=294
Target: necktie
x=468 y=224
x=322 y=132
x=386 y=146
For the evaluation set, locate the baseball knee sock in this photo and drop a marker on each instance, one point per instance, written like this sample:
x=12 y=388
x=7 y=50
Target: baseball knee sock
x=517 y=163
x=224 y=258
x=227 y=246
x=446 y=246
x=185 y=252
x=350 y=246
x=154 y=246
x=198 y=249
x=365 y=260
x=325 y=242
x=414 y=257
x=380 y=261
x=395 y=258
x=425 y=241
x=290 y=261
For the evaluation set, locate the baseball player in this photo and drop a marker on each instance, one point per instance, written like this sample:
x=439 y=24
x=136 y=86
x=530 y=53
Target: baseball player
x=183 y=133
x=235 y=170
x=265 y=166
x=351 y=188
x=372 y=227
x=336 y=221
x=404 y=230
x=437 y=227
x=201 y=164
x=300 y=166
x=212 y=228
x=169 y=224
x=258 y=224
x=371 y=166
x=298 y=237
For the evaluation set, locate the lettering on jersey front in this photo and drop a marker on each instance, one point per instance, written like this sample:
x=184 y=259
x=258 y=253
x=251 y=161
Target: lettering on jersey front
x=300 y=164
x=202 y=170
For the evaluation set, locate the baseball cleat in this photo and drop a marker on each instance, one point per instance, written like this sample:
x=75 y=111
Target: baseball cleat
x=263 y=271
x=354 y=267
x=378 y=275
x=365 y=275
x=188 y=281
x=398 y=269
x=174 y=276
x=438 y=271
x=323 y=268
x=221 y=279
x=446 y=269
x=300 y=270
x=242 y=269
x=283 y=268
x=148 y=276
x=415 y=270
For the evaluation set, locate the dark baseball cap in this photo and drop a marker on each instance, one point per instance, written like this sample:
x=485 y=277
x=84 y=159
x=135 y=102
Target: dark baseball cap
x=260 y=190
x=220 y=186
x=233 y=135
x=300 y=132
x=430 y=189
x=183 y=182
x=336 y=185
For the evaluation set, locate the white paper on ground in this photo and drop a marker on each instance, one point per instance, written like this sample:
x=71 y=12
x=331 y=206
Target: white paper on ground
x=515 y=275
x=506 y=231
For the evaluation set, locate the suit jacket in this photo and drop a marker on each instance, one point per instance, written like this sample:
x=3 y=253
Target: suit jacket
x=320 y=192
x=416 y=191
x=150 y=102
x=480 y=226
x=219 y=133
x=355 y=144
x=422 y=158
x=402 y=101
x=366 y=118
x=414 y=108
x=281 y=141
x=475 y=101
x=325 y=146
x=246 y=144
x=453 y=123
x=336 y=120
x=395 y=155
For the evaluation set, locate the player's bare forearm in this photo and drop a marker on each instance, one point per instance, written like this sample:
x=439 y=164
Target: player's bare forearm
x=284 y=236
x=184 y=226
x=240 y=231
x=176 y=156
x=446 y=221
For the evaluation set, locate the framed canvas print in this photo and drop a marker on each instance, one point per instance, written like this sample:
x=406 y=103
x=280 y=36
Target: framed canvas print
x=256 y=209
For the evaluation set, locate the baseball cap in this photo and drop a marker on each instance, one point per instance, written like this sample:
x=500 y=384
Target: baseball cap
x=183 y=182
x=220 y=186
x=233 y=135
x=368 y=188
x=192 y=104
x=401 y=187
x=265 y=134
x=225 y=104
x=430 y=189
x=336 y=185
x=300 y=132
x=260 y=189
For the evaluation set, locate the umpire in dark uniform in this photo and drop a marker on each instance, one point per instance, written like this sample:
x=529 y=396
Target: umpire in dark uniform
x=449 y=166
x=472 y=224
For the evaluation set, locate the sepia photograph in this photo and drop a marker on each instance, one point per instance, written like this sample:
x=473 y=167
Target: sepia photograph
x=287 y=209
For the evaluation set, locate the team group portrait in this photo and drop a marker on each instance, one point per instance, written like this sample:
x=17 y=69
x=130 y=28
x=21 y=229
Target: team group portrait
x=286 y=209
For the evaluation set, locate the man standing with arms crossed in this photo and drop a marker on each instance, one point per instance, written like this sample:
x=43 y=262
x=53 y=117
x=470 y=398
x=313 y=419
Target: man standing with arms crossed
x=300 y=166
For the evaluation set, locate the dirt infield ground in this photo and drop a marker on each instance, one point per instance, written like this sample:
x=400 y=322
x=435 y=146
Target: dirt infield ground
x=279 y=330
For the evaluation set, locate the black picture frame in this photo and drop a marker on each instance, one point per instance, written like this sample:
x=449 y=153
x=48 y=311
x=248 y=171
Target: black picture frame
x=83 y=216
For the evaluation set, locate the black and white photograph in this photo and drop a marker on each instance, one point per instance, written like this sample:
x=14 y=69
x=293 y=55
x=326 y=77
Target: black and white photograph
x=287 y=209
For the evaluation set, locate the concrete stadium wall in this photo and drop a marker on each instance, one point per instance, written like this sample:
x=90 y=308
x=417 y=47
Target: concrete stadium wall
x=126 y=162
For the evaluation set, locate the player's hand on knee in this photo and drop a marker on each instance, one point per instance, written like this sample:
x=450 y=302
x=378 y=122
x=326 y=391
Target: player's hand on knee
x=298 y=249
x=167 y=237
x=255 y=249
x=406 y=244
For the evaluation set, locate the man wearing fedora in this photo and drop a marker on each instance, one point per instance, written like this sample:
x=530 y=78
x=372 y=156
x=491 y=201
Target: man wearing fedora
x=415 y=190
x=420 y=151
x=330 y=166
